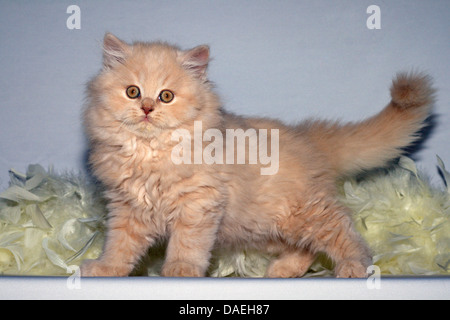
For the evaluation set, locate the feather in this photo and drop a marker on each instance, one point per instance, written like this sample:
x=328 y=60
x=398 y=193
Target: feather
x=48 y=221
x=445 y=173
x=37 y=217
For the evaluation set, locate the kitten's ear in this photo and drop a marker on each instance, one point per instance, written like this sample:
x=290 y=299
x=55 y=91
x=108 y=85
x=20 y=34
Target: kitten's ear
x=196 y=61
x=114 y=50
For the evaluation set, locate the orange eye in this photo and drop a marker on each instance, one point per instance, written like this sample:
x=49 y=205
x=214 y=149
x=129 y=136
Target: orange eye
x=166 y=96
x=133 y=92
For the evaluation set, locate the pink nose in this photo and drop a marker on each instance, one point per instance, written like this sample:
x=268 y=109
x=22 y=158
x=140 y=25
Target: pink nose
x=147 y=109
x=147 y=105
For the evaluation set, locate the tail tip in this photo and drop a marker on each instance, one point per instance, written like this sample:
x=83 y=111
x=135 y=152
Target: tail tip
x=412 y=90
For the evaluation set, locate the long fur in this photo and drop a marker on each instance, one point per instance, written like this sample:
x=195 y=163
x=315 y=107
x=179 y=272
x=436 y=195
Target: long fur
x=292 y=214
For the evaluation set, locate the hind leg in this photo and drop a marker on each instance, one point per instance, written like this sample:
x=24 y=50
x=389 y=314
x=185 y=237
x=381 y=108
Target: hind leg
x=291 y=264
x=326 y=226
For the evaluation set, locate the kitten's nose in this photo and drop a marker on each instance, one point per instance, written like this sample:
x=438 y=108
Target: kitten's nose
x=148 y=105
x=146 y=109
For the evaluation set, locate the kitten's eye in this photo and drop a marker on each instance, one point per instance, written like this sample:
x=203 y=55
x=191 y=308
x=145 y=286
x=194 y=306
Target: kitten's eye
x=133 y=92
x=166 y=96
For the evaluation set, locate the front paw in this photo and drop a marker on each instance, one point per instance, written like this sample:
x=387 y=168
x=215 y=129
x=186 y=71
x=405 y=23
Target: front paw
x=351 y=269
x=98 y=268
x=284 y=269
x=93 y=268
x=181 y=269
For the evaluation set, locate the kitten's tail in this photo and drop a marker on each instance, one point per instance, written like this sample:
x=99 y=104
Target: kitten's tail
x=372 y=143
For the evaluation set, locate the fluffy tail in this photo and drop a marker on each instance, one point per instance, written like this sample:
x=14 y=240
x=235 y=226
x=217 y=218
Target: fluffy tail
x=372 y=143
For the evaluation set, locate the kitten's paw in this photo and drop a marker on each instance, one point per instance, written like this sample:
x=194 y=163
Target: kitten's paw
x=181 y=269
x=351 y=269
x=94 y=268
x=283 y=269
x=97 y=268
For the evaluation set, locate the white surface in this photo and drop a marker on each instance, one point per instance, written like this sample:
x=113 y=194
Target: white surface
x=289 y=59
x=223 y=289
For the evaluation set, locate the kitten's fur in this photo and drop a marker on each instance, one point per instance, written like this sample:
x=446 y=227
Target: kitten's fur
x=293 y=214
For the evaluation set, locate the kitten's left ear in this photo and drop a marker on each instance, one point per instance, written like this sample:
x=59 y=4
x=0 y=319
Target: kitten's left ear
x=196 y=60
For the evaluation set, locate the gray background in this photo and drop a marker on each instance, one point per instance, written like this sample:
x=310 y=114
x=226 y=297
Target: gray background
x=286 y=59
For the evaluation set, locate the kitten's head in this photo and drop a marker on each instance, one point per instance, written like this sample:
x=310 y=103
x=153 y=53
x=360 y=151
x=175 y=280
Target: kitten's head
x=149 y=87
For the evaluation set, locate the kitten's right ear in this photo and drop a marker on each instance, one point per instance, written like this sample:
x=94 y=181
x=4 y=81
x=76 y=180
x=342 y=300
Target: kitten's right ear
x=114 y=51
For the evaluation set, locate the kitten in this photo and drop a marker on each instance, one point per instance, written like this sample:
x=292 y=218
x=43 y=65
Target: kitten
x=147 y=91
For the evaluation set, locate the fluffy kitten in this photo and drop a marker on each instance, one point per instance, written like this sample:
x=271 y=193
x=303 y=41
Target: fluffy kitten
x=146 y=91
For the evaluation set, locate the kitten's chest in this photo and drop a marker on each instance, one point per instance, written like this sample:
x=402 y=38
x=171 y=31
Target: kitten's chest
x=136 y=183
x=142 y=167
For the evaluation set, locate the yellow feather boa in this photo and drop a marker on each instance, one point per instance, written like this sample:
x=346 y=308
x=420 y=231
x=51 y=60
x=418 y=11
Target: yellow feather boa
x=49 y=223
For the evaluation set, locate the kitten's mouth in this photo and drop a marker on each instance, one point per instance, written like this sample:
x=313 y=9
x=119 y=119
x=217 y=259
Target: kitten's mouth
x=143 y=124
x=146 y=123
x=147 y=119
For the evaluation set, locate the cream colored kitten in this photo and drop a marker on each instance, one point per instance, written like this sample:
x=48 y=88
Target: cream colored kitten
x=147 y=93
